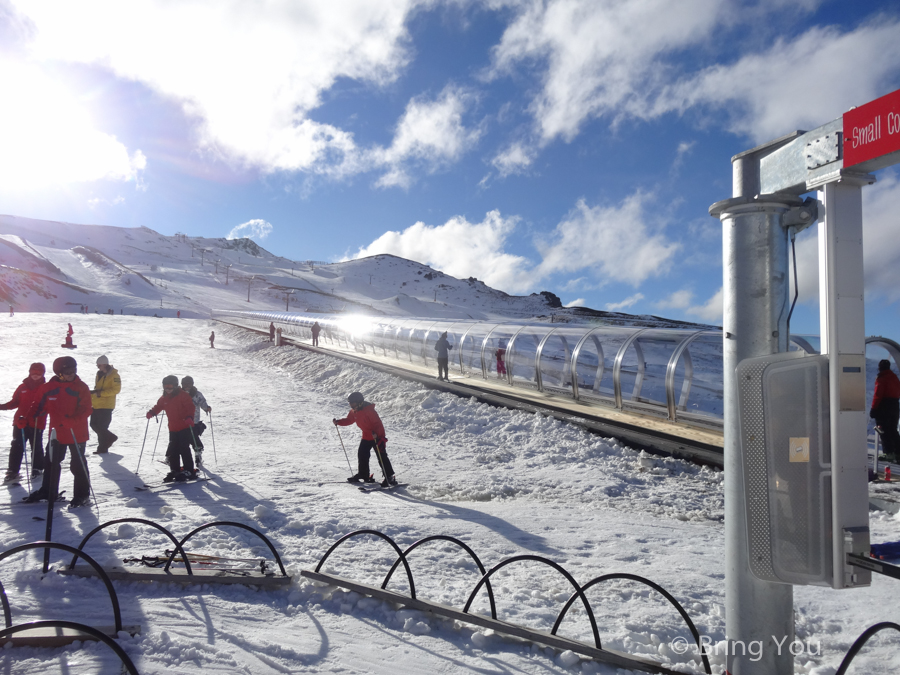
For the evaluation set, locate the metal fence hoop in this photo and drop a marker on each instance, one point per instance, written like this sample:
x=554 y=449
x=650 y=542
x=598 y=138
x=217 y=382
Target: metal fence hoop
x=228 y=523
x=90 y=630
x=357 y=533
x=659 y=589
x=578 y=591
x=443 y=537
x=93 y=563
x=133 y=520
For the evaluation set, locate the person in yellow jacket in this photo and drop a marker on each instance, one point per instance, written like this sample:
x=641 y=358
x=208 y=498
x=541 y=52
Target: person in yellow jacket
x=103 y=398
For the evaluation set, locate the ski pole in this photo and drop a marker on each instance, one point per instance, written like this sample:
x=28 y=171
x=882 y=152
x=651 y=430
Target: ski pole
x=146 y=429
x=379 y=458
x=77 y=451
x=343 y=448
x=153 y=456
x=25 y=455
x=212 y=432
x=49 y=480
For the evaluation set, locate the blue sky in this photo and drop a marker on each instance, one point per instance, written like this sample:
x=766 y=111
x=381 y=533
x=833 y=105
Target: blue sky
x=566 y=145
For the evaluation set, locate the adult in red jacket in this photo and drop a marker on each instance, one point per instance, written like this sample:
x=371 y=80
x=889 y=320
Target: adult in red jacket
x=33 y=432
x=68 y=402
x=363 y=414
x=886 y=409
x=179 y=408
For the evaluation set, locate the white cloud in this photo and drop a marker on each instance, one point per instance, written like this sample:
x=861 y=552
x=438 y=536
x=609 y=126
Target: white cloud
x=858 y=66
x=514 y=159
x=257 y=228
x=462 y=249
x=711 y=310
x=430 y=133
x=47 y=138
x=249 y=74
x=630 y=301
x=577 y=302
x=614 y=243
x=600 y=55
x=678 y=300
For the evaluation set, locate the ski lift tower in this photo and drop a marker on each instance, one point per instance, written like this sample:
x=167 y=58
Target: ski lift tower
x=796 y=473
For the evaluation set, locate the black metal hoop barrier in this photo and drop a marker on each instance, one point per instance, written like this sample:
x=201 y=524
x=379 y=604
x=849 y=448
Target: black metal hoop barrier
x=7 y=610
x=223 y=523
x=90 y=630
x=558 y=568
x=409 y=576
x=659 y=589
x=93 y=563
x=442 y=537
x=860 y=641
x=159 y=527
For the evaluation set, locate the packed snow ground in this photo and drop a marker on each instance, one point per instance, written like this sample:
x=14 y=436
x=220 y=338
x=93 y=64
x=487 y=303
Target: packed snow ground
x=504 y=482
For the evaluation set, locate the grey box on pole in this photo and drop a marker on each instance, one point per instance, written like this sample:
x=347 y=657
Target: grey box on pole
x=786 y=451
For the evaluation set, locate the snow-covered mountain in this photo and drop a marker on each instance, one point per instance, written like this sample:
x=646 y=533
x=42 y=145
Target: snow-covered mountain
x=48 y=266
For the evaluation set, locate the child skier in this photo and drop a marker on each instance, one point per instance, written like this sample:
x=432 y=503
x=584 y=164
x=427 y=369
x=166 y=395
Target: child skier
x=187 y=383
x=363 y=413
x=180 y=412
x=33 y=432
x=68 y=402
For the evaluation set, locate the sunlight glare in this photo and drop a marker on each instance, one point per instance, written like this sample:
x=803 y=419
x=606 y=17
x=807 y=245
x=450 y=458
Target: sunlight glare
x=46 y=136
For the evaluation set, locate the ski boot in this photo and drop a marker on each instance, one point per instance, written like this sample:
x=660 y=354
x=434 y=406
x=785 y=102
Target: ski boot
x=359 y=478
x=11 y=477
x=389 y=482
x=78 y=502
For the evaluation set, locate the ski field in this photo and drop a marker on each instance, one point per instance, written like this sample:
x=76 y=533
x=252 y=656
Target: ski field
x=504 y=482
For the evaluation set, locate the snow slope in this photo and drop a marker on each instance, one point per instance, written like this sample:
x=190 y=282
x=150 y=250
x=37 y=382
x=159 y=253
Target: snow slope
x=55 y=267
x=504 y=482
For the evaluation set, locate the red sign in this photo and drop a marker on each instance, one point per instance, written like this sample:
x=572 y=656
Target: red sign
x=872 y=130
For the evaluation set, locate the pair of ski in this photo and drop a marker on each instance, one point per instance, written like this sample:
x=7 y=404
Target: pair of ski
x=377 y=487
x=157 y=487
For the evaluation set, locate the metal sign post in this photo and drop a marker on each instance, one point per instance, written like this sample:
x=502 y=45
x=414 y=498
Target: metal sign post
x=769 y=180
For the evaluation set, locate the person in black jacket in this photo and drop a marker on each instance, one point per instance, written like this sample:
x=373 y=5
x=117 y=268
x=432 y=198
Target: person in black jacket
x=443 y=348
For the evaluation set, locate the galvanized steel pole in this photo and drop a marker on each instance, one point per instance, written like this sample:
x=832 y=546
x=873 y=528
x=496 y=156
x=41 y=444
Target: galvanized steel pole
x=758 y=614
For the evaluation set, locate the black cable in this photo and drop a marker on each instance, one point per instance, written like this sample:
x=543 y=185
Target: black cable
x=796 y=285
x=860 y=641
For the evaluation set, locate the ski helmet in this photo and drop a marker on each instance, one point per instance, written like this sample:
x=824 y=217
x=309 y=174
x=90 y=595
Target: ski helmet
x=103 y=361
x=187 y=382
x=170 y=379
x=355 y=398
x=65 y=365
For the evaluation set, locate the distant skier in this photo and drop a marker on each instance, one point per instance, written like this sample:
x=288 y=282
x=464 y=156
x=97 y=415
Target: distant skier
x=886 y=409
x=68 y=344
x=11 y=310
x=180 y=414
x=443 y=348
x=271 y=332
x=107 y=385
x=187 y=383
x=33 y=431
x=316 y=329
x=68 y=402
x=363 y=413
x=212 y=340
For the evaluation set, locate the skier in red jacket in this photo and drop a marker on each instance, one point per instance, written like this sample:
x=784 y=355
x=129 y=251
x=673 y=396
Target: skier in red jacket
x=179 y=410
x=21 y=400
x=68 y=402
x=363 y=413
x=886 y=409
